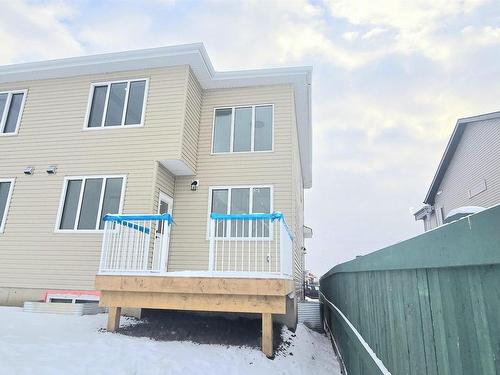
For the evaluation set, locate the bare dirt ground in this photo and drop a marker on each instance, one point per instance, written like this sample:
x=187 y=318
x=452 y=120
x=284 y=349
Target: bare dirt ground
x=221 y=329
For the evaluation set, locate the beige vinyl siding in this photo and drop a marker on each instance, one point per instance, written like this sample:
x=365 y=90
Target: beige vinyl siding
x=298 y=214
x=191 y=131
x=51 y=132
x=189 y=244
x=477 y=157
x=164 y=183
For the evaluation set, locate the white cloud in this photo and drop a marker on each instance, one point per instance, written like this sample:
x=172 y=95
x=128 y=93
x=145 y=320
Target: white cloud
x=350 y=35
x=108 y=34
x=404 y=15
x=482 y=35
x=373 y=33
x=35 y=31
x=416 y=23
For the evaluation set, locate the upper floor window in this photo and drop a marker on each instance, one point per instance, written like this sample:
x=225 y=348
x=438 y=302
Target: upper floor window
x=115 y=104
x=6 y=186
x=11 y=108
x=86 y=200
x=243 y=129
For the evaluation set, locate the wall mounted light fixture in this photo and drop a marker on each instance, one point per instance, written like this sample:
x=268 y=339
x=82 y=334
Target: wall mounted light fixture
x=195 y=184
x=51 y=169
x=29 y=170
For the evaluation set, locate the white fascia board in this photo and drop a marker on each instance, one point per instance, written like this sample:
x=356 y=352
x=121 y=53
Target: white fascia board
x=195 y=56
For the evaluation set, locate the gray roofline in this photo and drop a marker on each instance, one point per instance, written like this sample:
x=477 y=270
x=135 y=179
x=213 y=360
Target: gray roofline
x=450 y=151
x=197 y=57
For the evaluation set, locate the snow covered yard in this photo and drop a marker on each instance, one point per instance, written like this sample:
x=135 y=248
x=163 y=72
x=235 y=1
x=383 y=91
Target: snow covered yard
x=60 y=344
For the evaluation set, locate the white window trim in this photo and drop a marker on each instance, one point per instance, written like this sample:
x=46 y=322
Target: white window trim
x=167 y=198
x=7 y=204
x=3 y=118
x=109 y=83
x=63 y=197
x=252 y=139
x=229 y=187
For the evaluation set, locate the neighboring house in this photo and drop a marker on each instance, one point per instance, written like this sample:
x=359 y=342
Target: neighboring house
x=468 y=176
x=155 y=135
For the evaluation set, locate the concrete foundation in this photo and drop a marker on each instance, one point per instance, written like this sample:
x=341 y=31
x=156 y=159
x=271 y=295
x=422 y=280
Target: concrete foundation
x=290 y=318
x=17 y=296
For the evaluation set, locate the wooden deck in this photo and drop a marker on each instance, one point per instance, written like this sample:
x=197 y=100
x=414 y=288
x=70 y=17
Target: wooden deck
x=242 y=295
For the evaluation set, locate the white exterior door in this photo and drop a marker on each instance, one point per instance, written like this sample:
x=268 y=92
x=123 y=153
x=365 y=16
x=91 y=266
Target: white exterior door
x=162 y=235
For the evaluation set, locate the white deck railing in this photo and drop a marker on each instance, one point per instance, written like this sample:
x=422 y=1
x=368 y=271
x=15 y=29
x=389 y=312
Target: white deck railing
x=243 y=245
x=249 y=244
x=135 y=243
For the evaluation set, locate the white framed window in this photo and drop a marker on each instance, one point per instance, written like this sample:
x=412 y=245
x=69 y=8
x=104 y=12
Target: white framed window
x=243 y=129
x=255 y=199
x=85 y=201
x=6 y=187
x=11 y=109
x=117 y=104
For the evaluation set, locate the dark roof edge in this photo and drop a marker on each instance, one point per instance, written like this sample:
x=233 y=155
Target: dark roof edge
x=450 y=151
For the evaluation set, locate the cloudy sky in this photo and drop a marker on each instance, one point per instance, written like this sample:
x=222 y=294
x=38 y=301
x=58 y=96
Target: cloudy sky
x=390 y=79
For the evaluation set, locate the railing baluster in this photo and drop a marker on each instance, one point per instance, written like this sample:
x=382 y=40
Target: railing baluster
x=229 y=241
x=223 y=252
x=268 y=247
x=248 y=246
x=136 y=247
x=216 y=245
x=255 y=251
x=241 y=240
x=275 y=238
x=119 y=246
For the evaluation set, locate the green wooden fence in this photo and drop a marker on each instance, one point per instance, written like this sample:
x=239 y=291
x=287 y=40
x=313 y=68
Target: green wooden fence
x=428 y=305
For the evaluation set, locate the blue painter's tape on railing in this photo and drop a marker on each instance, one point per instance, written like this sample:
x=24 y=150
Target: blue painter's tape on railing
x=272 y=216
x=136 y=227
x=120 y=218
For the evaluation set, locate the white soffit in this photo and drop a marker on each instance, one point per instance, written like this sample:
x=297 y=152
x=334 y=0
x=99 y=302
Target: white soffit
x=177 y=167
x=196 y=56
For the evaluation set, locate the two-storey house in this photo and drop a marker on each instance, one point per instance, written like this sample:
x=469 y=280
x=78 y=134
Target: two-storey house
x=468 y=177
x=154 y=179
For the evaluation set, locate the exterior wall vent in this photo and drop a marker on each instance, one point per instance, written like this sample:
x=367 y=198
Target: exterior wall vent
x=478 y=188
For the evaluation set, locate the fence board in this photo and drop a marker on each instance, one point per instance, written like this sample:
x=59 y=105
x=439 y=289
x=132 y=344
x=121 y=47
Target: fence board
x=426 y=306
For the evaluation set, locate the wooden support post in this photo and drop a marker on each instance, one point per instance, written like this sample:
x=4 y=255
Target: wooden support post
x=267 y=334
x=114 y=318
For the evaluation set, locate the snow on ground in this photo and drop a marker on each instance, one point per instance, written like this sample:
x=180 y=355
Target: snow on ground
x=60 y=344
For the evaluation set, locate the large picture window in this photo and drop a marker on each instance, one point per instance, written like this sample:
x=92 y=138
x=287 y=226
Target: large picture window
x=86 y=200
x=6 y=186
x=117 y=104
x=241 y=200
x=243 y=129
x=11 y=109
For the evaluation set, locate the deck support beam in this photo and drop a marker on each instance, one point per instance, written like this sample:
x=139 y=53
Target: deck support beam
x=267 y=334
x=114 y=318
